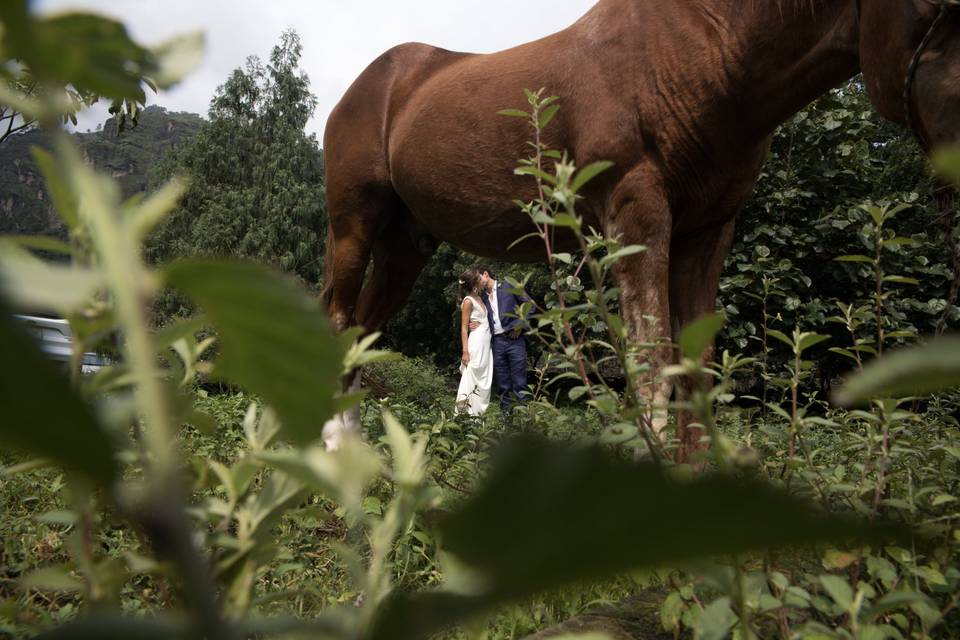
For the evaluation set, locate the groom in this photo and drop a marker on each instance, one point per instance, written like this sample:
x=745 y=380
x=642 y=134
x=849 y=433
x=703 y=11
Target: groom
x=509 y=346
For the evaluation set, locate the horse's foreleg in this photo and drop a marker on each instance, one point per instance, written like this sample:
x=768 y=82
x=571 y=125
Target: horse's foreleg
x=640 y=214
x=696 y=262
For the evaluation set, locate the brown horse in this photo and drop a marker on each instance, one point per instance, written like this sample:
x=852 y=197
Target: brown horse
x=682 y=95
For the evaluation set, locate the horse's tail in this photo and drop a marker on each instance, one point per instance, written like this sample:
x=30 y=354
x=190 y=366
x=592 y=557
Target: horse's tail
x=326 y=291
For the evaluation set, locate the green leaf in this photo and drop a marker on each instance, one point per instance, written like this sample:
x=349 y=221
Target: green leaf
x=697 y=336
x=588 y=173
x=839 y=589
x=39 y=243
x=854 y=258
x=881 y=569
x=547 y=115
x=522 y=238
x=341 y=475
x=515 y=533
x=51 y=579
x=90 y=52
x=559 y=220
x=899 y=241
x=537 y=173
x=176 y=58
x=154 y=209
x=782 y=337
x=565 y=220
x=268 y=504
x=877 y=214
x=276 y=342
x=946 y=161
x=670 y=611
x=843 y=352
x=34 y=285
x=359 y=352
x=42 y=414
x=896 y=600
x=808 y=340
x=901 y=280
x=905 y=372
x=715 y=621
x=58 y=186
x=513 y=113
x=621 y=253
x=408 y=454
x=619 y=433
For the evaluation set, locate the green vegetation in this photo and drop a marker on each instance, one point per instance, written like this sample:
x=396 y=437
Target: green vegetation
x=256 y=179
x=183 y=493
x=128 y=157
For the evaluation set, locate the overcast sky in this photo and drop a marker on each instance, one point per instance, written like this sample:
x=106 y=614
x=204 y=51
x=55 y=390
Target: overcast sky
x=340 y=37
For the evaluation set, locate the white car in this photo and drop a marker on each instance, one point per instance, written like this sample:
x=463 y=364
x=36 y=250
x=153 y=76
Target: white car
x=55 y=339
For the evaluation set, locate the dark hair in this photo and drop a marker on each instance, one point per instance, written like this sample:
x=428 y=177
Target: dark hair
x=470 y=281
x=482 y=267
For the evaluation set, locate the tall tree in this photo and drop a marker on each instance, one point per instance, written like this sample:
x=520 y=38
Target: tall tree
x=256 y=176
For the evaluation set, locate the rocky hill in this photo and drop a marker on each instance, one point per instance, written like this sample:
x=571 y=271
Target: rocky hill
x=24 y=203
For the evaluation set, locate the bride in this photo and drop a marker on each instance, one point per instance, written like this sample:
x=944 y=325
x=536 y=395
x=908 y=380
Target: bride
x=476 y=368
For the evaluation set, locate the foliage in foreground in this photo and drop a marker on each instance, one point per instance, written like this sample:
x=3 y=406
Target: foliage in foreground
x=282 y=465
x=196 y=545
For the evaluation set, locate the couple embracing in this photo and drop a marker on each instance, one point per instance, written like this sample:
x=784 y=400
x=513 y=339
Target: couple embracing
x=494 y=349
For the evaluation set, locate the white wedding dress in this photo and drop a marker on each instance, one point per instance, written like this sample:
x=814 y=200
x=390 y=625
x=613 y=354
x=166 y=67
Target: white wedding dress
x=476 y=378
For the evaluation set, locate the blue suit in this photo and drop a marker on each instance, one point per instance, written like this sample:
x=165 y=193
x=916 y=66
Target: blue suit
x=509 y=354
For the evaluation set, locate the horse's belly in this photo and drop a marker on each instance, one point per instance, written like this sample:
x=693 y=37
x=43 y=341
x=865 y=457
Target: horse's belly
x=464 y=200
x=487 y=232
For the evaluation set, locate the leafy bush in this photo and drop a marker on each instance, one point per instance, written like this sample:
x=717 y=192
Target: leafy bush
x=414 y=380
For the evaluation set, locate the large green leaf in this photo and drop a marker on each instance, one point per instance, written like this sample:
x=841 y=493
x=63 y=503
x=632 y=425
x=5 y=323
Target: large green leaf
x=912 y=371
x=715 y=621
x=947 y=163
x=549 y=516
x=90 y=52
x=696 y=336
x=276 y=342
x=42 y=415
x=36 y=285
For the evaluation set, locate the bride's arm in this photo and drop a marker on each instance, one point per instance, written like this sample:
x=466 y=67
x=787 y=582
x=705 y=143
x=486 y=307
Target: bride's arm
x=465 y=310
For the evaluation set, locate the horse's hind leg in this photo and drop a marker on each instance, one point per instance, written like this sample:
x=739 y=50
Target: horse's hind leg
x=397 y=261
x=399 y=255
x=354 y=225
x=356 y=217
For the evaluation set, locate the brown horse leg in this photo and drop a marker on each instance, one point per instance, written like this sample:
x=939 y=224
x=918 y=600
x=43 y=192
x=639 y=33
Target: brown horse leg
x=640 y=214
x=396 y=264
x=696 y=262
x=354 y=224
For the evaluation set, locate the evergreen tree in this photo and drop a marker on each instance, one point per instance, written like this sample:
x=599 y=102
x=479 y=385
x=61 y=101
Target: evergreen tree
x=256 y=177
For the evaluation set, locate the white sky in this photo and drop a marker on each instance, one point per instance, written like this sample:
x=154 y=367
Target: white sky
x=340 y=37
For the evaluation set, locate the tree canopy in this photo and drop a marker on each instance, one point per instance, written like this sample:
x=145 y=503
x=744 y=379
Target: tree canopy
x=256 y=178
